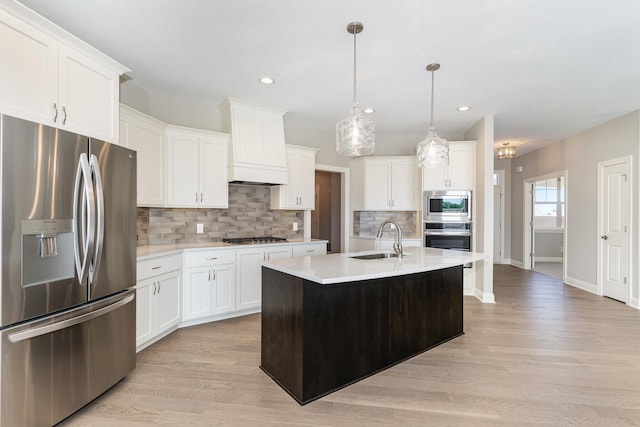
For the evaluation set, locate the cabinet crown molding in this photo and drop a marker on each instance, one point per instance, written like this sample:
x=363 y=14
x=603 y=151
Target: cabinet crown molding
x=32 y=18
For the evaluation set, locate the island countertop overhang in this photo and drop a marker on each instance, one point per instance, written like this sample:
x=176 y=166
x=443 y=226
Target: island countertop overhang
x=339 y=268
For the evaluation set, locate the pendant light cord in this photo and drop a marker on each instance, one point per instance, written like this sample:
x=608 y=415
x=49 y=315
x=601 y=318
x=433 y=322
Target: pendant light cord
x=354 y=66
x=432 y=80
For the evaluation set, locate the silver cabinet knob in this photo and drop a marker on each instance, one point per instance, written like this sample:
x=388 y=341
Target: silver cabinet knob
x=604 y=237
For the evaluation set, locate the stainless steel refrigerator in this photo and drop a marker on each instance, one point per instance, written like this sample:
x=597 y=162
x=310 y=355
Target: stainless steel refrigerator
x=68 y=251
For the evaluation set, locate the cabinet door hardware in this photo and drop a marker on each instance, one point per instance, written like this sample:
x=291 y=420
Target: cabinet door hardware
x=212 y=258
x=64 y=115
x=55 y=112
x=156 y=267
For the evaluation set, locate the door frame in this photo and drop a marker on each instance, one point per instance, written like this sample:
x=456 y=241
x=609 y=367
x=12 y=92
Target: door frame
x=501 y=184
x=527 y=222
x=345 y=185
x=628 y=161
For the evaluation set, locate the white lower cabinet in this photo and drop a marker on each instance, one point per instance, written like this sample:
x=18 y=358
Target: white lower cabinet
x=209 y=284
x=310 y=249
x=249 y=280
x=157 y=298
x=203 y=285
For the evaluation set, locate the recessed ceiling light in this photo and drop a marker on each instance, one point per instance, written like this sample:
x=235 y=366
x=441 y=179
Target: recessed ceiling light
x=266 y=80
x=369 y=110
x=464 y=108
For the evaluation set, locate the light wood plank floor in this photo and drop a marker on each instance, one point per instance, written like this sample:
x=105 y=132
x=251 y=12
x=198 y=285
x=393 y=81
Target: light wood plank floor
x=545 y=354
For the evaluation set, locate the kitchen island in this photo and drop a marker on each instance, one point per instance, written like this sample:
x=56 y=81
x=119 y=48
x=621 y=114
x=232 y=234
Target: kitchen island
x=331 y=320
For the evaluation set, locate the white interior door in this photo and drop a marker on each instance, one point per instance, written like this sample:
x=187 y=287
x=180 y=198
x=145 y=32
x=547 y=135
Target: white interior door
x=613 y=215
x=532 y=229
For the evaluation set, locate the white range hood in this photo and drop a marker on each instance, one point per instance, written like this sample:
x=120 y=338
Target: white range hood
x=257 y=154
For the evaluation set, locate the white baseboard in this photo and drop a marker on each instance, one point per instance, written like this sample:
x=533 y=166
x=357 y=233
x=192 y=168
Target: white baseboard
x=548 y=259
x=585 y=286
x=517 y=263
x=485 y=297
x=635 y=303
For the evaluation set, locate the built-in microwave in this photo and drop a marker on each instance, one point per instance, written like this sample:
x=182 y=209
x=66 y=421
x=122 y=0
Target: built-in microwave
x=446 y=206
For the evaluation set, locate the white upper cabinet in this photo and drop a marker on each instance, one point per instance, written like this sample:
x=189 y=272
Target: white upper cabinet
x=385 y=183
x=459 y=174
x=145 y=135
x=49 y=81
x=257 y=152
x=299 y=193
x=196 y=168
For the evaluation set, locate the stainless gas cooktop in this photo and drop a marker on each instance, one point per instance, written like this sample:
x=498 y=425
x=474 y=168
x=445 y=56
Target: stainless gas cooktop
x=254 y=240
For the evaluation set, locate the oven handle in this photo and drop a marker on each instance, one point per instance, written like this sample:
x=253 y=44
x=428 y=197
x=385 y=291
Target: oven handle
x=447 y=233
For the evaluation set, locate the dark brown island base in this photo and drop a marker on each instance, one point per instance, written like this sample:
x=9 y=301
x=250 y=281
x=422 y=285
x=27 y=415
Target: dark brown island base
x=318 y=338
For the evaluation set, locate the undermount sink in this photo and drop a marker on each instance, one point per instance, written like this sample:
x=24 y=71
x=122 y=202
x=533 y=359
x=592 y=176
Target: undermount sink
x=378 y=255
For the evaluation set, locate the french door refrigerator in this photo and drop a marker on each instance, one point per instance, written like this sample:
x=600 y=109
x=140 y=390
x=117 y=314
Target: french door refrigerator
x=68 y=251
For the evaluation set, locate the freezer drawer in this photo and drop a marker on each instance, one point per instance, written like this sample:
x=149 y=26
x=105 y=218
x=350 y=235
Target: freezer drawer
x=52 y=367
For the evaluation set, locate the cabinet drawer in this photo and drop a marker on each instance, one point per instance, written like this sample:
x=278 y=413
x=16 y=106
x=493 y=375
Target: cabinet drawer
x=200 y=258
x=160 y=265
x=306 y=250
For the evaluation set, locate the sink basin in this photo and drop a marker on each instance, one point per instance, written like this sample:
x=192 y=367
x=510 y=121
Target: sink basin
x=378 y=255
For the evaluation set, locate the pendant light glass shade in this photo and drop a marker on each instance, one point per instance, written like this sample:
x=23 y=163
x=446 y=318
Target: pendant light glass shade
x=355 y=133
x=432 y=151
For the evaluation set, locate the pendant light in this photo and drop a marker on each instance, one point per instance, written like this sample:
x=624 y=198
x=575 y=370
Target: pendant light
x=354 y=133
x=432 y=151
x=506 y=151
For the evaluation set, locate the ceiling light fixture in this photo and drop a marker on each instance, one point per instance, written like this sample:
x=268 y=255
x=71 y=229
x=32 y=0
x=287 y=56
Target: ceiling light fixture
x=506 y=151
x=464 y=108
x=266 y=80
x=369 y=110
x=355 y=133
x=432 y=151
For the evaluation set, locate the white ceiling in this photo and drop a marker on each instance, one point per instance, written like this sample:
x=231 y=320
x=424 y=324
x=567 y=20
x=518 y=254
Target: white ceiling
x=546 y=69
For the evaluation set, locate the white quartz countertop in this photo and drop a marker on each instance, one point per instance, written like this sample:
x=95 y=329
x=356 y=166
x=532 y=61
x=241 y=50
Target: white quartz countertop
x=150 y=251
x=339 y=268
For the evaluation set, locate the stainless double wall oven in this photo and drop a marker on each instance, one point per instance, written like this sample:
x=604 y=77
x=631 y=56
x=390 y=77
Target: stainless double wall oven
x=447 y=220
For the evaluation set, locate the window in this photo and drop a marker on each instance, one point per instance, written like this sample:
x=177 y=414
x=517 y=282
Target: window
x=549 y=203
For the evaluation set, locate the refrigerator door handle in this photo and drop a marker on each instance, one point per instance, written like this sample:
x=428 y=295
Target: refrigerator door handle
x=99 y=239
x=43 y=330
x=86 y=194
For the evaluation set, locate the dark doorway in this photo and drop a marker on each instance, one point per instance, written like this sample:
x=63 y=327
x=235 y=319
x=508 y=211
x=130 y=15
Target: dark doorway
x=326 y=218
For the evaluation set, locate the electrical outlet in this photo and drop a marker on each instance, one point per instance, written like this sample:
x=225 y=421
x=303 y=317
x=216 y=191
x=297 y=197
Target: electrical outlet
x=295 y=226
x=199 y=228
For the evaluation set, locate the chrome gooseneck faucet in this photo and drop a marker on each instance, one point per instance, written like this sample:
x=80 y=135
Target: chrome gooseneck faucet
x=397 y=238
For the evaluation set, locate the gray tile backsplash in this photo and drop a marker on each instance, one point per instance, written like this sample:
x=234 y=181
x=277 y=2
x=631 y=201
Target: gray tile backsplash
x=366 y=223
x=248 y=215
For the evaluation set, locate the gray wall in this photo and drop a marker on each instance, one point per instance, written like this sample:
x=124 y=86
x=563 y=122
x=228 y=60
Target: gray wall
x=579 y=155
x=548 y=244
